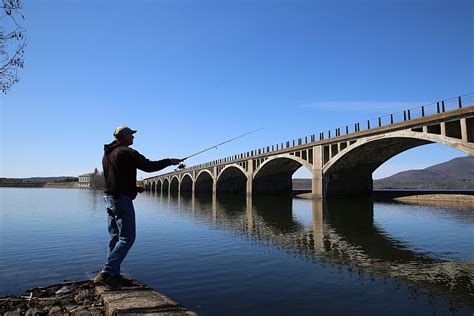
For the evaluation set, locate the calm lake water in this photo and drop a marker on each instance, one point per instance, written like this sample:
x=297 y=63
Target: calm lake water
x=258 y=256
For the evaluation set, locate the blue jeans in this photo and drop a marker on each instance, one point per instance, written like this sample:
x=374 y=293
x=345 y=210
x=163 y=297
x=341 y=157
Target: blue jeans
x=121 y=225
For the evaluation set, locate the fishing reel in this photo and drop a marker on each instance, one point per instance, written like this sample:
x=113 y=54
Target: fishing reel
x=181 y=166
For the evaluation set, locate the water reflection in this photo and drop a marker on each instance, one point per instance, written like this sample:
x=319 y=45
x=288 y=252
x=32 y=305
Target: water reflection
x=341 y=232
x=350 y=236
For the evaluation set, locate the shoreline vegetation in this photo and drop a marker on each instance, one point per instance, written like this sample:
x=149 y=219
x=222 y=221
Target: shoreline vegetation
x=40 y=182
x=65 y=185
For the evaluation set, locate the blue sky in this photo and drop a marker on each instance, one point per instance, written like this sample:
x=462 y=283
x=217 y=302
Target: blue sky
x=189 y=74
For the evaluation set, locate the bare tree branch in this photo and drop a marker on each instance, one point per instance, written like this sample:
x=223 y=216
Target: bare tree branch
x=12 y=44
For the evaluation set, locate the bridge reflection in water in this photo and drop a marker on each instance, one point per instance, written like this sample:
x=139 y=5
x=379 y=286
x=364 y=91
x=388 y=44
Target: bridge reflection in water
x=336 y=232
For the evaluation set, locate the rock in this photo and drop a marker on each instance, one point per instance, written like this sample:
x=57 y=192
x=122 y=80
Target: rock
x=81 y=311
x=65 y=289
x=81 y=296
x=14 y=313
x=55 y=310
x=34 y=312
x=96 y=311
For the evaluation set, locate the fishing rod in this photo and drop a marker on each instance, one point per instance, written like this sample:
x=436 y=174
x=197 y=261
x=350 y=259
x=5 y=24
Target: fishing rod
x=182 y=165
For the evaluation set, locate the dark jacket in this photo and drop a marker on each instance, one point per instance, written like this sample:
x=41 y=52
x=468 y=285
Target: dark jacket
x=120 y=165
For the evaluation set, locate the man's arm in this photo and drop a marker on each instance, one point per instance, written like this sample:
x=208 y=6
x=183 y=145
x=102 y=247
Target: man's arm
x=144 y=164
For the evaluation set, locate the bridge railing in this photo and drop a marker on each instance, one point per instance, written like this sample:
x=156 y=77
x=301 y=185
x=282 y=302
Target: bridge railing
x=387 y=120
x=406 y=115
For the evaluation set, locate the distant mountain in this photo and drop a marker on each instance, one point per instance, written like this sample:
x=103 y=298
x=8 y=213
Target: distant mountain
x=457 y=173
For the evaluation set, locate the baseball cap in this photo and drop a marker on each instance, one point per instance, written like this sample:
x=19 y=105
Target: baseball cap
x=123 y=130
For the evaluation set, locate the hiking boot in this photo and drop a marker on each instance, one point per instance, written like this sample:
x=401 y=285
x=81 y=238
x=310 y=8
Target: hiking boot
x=123 y=280
x=104 y=278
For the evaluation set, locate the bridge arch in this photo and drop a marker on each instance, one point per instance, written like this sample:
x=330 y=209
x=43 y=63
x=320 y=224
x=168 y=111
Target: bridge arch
x=204 y=181
x=174 y=184
x=232 y=179
x=350 y=171
x=153 y=186
x=274 y=175
x=186 y=184
x=159 y=185
x=166 y=185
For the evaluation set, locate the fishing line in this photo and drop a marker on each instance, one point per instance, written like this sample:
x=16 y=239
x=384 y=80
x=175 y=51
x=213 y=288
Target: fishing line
x=182 y=165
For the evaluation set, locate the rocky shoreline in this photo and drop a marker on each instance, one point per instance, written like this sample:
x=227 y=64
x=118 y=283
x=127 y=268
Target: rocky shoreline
x=68 y=298
x=84 y=298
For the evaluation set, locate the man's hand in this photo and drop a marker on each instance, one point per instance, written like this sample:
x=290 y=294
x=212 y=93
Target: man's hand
x=175 y=161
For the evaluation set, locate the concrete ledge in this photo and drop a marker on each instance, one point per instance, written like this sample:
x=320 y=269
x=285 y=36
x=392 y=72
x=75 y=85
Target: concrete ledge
x=139 y=300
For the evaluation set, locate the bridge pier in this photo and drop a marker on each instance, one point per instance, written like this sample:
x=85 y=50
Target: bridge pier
x=214 y=180
x=317 y=181
x=317 y=191
x=464 y=130
x=249 y=177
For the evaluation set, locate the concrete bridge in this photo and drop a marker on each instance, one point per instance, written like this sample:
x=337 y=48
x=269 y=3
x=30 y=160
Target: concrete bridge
x=341 y=160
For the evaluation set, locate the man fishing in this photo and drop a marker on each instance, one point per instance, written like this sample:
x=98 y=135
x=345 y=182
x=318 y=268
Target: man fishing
x=120 y=164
